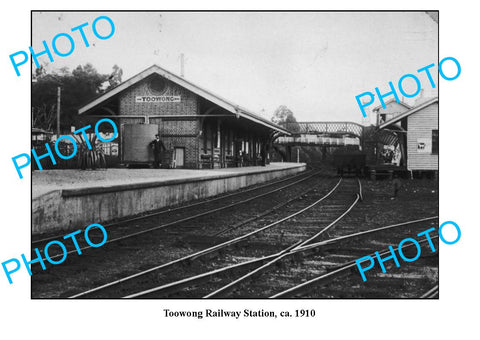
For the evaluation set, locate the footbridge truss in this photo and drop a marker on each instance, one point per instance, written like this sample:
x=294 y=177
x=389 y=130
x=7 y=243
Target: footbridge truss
x=322 y=133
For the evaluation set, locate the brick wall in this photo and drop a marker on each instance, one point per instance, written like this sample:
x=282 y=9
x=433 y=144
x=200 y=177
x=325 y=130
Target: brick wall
x=181 y=134
x=174 y=132
x=187 y=106
x=191 y=148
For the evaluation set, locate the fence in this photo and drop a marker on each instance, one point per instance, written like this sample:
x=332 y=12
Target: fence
x=109 y=149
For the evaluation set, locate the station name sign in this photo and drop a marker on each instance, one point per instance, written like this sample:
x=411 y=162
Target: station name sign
x=158 y=99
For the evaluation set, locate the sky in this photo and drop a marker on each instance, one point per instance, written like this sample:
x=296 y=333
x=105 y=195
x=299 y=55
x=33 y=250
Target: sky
x=315 y=63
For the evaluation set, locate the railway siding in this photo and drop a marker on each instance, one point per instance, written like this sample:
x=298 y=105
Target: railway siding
x=196 y=257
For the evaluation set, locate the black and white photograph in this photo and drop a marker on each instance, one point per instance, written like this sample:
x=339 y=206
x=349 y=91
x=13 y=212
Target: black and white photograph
x=283 y=190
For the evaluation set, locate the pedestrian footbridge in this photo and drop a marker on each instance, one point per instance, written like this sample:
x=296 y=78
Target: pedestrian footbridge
x=322 y=133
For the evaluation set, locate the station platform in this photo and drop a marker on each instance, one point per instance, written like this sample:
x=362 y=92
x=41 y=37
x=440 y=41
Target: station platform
x=73 y=199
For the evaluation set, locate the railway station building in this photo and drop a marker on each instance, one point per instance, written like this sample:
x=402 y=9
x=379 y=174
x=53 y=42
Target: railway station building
x=198 y=128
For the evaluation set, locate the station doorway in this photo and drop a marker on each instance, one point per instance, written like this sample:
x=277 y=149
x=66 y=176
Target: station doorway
x=179 y=157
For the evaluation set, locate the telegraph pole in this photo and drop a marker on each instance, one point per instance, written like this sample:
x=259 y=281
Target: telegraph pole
x=58 y=110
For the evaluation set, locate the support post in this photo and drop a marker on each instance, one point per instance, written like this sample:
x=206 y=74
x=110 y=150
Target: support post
x=58 y=111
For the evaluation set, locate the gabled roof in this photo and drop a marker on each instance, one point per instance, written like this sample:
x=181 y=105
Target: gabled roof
x=391 y=101
x=155 y=69
x=408 y=113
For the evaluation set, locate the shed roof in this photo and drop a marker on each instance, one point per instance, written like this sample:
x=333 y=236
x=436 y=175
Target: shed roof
x=408 y=113
x=155 y=69
x=377 y=108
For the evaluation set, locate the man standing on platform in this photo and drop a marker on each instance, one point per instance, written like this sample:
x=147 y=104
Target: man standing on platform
x=158 y=147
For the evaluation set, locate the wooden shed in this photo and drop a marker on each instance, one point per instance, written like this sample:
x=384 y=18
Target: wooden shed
x=420 y=126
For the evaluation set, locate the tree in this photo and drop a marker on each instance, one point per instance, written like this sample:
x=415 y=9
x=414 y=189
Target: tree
x=44 y=99
x=44 y=116
x=77 y=87
x=284 y=116
x=39 y=73
x=116 y=77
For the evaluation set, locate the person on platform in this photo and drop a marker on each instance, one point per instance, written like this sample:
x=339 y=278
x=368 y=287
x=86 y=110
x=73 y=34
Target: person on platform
x=158 y=147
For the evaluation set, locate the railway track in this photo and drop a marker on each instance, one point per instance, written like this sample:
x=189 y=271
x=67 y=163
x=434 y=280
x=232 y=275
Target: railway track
x=254 y=269
x=294 y=230
x=140 y=225
x=352 y=241
x=337 y=272
x=431 y=294
x=240 y=240
x=230 y=253
x=196 y=226
x=328 y=269
x=324 y=269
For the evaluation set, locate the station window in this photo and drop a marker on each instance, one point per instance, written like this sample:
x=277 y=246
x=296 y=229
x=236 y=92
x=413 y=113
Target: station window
x=435 y=142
